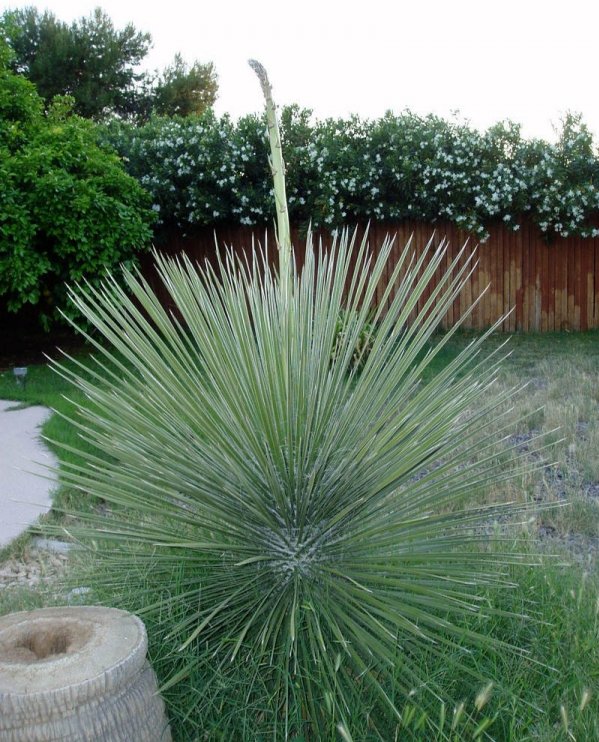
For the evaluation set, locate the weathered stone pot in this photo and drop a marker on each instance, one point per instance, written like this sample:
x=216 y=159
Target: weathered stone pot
x=77 y=674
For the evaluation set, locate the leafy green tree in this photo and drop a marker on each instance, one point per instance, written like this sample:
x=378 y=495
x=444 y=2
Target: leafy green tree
x=98 y=65
x=90 y=59
x=182 y=90
x=20 y=105
x=68 y=210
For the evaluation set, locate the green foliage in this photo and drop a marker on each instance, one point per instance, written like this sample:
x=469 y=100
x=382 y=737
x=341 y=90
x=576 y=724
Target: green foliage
x=319 y=522
x=89 y=59
x=68 y=210
x=199 y=170
x=182 y=90
x=97 y=65
x=342 y=171
x=20 y=105
x=364 y=340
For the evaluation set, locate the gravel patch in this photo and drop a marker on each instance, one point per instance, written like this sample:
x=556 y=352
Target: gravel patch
x=34 y=569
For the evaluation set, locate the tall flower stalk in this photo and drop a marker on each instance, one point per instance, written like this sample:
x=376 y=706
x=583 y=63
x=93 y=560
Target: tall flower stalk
x=310 y=525
x=277 y=166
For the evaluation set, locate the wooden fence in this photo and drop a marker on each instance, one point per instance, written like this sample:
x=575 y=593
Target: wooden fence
x=547 y=286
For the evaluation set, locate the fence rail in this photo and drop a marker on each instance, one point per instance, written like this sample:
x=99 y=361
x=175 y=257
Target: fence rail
x=546 y=287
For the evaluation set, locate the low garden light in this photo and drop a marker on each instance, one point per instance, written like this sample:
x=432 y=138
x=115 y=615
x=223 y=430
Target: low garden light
x=20 y=373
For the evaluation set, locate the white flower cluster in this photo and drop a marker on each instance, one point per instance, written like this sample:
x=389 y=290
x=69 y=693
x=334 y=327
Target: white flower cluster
x=203 y=170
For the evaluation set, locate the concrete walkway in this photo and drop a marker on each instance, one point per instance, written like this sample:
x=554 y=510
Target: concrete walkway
x=24 y=494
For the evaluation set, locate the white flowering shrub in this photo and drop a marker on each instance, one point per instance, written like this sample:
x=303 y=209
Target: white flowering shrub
x=200 y=170
x=209 y=170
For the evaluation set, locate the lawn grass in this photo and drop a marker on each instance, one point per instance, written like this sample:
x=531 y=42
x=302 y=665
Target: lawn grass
x=550 y=694
x=45 y=387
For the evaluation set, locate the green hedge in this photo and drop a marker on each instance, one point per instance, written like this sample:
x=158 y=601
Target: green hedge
x=209 y=170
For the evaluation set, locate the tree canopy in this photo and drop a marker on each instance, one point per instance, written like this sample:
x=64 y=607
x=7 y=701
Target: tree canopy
x=183 y=90
x=98 y=65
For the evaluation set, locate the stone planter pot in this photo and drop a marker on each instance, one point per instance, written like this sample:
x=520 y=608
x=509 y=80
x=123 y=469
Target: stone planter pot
x=77 y=674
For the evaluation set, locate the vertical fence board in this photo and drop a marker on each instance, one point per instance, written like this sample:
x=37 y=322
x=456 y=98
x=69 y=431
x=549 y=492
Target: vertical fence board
x=594 y=286
x=511 y=306
x=562 y=286
x=577 y=282
x=584 y=272
x=517 y=278
x=549 y=288
x=492 y=281
x=536 y=314
x=497 y=282
x=497 y=278
x=507 y=304
x=541 y=319
x=468 y=298
x=446 y=263
x=544 y=286
x=462 y=302
x=570 y=260
x=525 y=278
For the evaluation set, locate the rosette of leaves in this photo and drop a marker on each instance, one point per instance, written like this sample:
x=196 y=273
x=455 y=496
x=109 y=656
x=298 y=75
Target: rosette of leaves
x=302 y=525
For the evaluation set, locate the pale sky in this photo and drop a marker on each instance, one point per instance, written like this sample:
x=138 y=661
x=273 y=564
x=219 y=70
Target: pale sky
x=528 y=60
